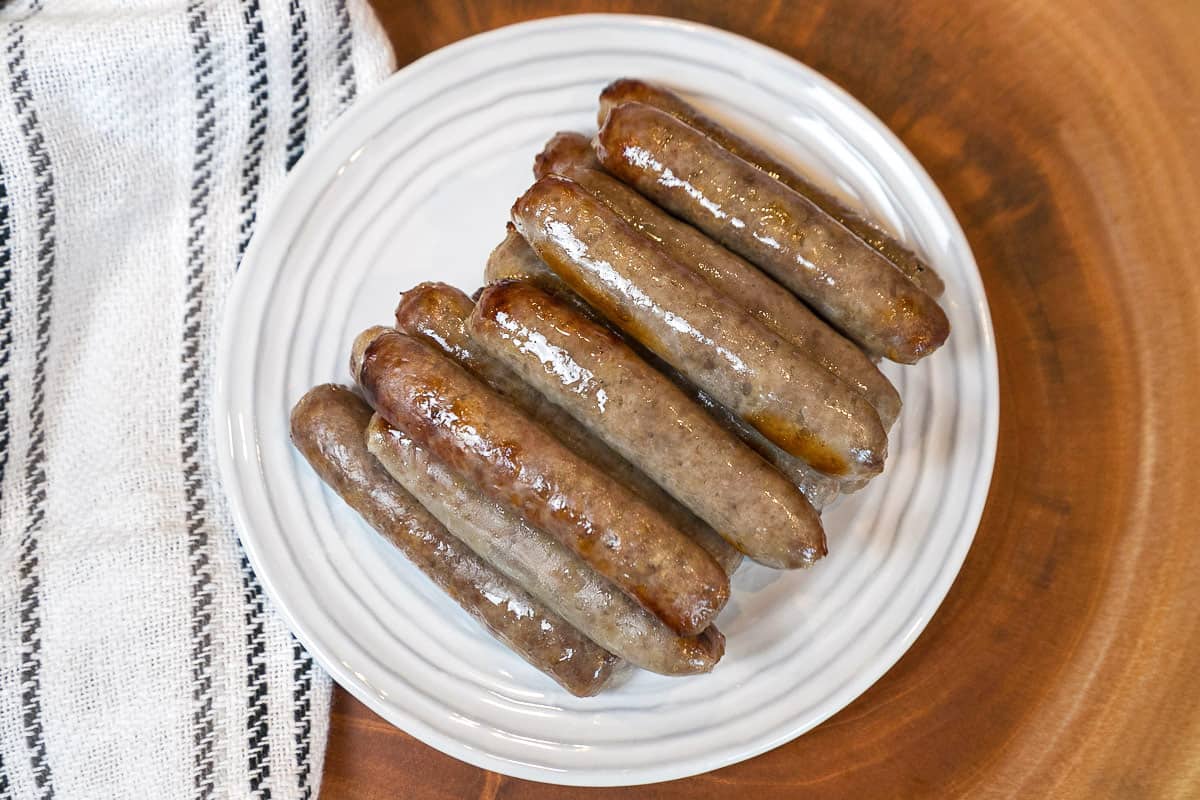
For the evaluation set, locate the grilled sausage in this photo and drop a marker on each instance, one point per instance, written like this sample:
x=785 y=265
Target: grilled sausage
x=820 y=490
x=571 y=155
x=541 y=565
x=592 y=374
x=628 y=90
x=515 y=260
x=328 y=426
x=851 y=285
x=437 y=313
x=487 y=440
x=565 y=149
x=674 y=313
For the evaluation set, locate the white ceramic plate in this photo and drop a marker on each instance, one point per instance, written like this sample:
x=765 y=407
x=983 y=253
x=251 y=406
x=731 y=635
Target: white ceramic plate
x=414 y=184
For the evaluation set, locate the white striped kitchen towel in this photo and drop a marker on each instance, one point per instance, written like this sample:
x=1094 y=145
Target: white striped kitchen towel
x=138 y=139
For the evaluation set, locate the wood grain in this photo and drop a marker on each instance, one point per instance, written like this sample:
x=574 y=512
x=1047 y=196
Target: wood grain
x=1066 y=660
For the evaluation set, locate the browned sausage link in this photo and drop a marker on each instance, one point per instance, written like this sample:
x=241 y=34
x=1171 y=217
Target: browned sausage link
x=851 y=285
x=628 y=90
x=437 y=313
x=565 y=147
x=515 y=260
x=591 y=373
x=487 y=440
x=328 y=428
x=359 y=348
x=541 y=565
x=768 y=302
x=674 y=313
x=820 y=490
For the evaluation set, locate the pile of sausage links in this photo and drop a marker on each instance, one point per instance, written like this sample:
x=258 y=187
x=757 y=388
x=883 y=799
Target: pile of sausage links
x=671 y=366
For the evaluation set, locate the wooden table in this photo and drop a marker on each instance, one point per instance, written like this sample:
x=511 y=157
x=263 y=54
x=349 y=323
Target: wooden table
x=1066 y=660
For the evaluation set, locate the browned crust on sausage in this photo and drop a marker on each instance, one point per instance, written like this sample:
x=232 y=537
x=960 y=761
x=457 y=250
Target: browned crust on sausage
x=850 y=284
x=487 y=440
x=594 y=375
x=328 y=426
x=438 y=312
x=571 y=156
x=565 y=149
x=627 y=90
x=539 y=563
x=514 y=260
x=674 y=313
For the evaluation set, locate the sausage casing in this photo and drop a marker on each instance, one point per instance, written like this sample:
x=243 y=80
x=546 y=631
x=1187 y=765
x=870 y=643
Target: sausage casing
x=437 y=313
x=674 y=313
x=488 y=441
x=851 y=285
x=571 y=155
x=565 y=148
x=633 y=408
x=628 y=90
x=328 y=426
x=515 y=260
x=541 y=565
x=820 y=490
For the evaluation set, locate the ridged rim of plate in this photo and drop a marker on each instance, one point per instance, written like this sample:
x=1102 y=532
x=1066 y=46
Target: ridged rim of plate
x=239 y=423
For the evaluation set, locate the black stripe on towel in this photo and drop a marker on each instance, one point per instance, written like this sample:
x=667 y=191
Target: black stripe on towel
x=252 y=159
x=191 y=392
x=259 y=753
x=302 y=714
x=256 y=681
x=6 y=334
x=298 y=127
x=5 y=789
x=302 y=663
x=29 y=615
x=344 y=55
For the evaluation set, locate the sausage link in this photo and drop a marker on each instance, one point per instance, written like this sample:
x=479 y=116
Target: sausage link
x=629 y=90
x=633 y=408
x=565 y=149
x=515 y=260
x=851 y=285
x=540 y=564
x=487 y=440
x=571 y=155
x=437 y=313
x=674 y=313
x=328 y=426
x=820 y=490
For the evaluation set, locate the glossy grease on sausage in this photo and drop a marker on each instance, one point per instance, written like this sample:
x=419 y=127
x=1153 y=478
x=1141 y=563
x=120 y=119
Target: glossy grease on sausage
x=851 y=285
x=820 y=490
x=592 y=374
x=674 y=313
x=540 y=564
x=628 y=90
x=514 y=260
x=328 y=426
x=571 y=156
x=437 y=313
x=487 y=440
x=565 y=148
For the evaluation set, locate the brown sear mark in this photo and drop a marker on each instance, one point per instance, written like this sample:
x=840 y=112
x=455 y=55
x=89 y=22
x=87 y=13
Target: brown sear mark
x=799 y=442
